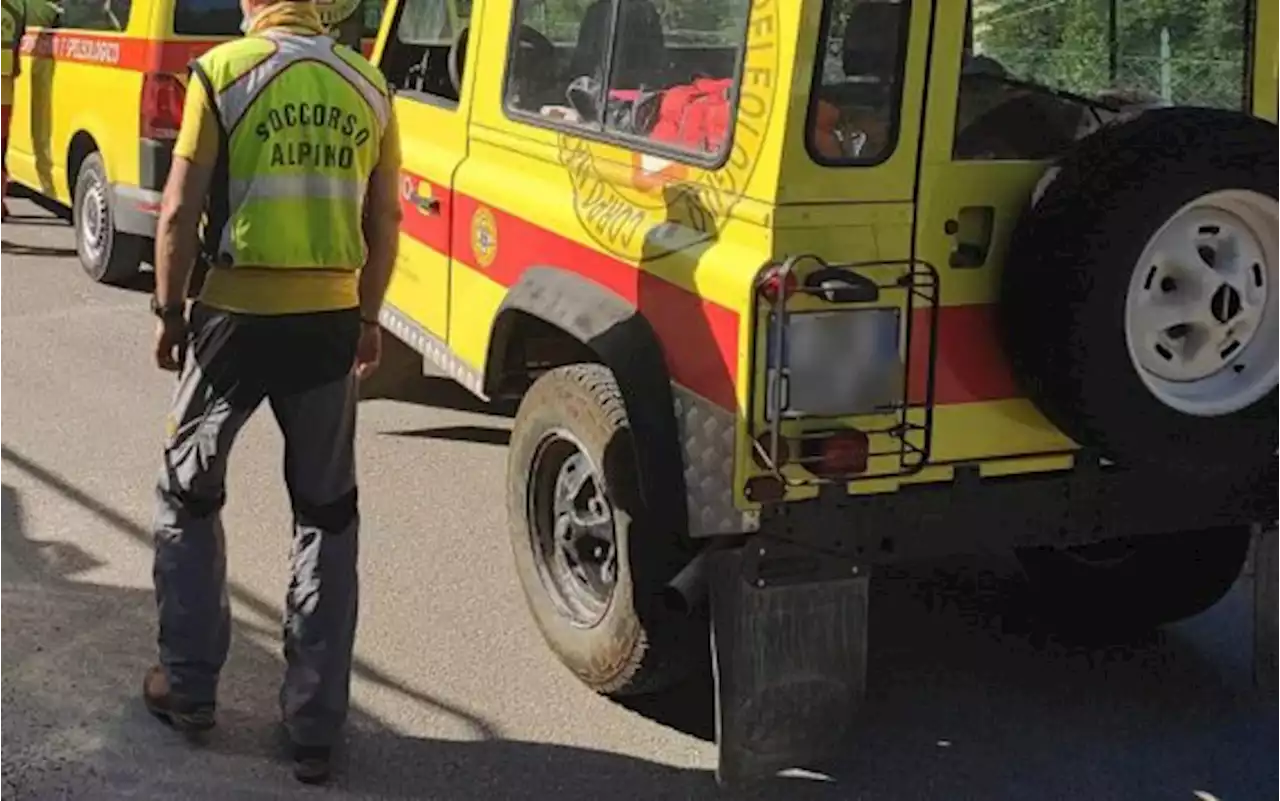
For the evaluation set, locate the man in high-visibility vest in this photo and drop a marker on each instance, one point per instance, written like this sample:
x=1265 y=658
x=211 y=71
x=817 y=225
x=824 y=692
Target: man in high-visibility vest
x=292 y=141
x=16 y=16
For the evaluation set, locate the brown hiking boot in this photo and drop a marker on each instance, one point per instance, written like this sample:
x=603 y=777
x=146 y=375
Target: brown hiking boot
x=171 y=709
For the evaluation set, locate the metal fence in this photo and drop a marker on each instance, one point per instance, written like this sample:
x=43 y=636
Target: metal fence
x=1173 y=79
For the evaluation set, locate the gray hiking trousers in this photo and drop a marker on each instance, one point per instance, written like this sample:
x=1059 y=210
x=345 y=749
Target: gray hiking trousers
x=301 y=364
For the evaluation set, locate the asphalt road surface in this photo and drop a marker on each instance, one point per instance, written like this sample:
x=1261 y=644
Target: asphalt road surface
x=455 y=696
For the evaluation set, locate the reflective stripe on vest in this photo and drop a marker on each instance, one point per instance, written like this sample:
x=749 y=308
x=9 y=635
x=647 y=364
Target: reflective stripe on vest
x=12 y=15
x=304 y=129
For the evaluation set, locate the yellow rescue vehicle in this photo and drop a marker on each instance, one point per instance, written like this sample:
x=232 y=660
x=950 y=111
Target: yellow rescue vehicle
x=97 y=107
x=786 y=290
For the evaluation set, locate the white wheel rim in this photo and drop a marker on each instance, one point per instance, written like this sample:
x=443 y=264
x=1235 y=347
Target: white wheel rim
x=1201 y=314
x=94 y=220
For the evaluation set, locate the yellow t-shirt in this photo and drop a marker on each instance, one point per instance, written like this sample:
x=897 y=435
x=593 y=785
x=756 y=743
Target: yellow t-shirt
x=251 y=290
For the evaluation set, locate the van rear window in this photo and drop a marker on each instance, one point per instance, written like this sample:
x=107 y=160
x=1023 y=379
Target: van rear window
x=223 y=17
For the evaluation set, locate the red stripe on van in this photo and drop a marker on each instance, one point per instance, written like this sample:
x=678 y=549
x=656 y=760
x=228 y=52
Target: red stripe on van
x=124 y=52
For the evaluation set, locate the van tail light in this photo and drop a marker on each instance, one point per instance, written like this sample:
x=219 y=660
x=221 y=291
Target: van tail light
x=163 y=96
x=841 y=453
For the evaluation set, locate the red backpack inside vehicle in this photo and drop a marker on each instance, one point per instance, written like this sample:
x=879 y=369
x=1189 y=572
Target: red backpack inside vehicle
x=695 y=116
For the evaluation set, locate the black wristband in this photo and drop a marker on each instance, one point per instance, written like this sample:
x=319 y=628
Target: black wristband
x=367 y=321
x=174 y=311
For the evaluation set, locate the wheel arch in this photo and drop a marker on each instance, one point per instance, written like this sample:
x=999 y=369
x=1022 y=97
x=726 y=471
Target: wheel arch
x=81 y=146
x=552 y=317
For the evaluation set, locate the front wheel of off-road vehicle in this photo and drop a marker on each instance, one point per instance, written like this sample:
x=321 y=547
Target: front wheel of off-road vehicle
x=592 y=571
x=1134 y=584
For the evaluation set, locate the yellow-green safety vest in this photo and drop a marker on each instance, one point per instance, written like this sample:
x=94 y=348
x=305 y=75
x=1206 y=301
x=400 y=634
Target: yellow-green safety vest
x=302 y=121
x=12 y=24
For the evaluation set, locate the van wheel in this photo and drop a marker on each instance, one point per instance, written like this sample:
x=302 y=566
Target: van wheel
x=1139 y=301
x=1129 y=585
x=592 y=572
x=107 y=255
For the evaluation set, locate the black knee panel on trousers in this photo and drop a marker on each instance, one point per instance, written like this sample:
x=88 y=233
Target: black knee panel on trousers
x=193 y=504
x=332 y=517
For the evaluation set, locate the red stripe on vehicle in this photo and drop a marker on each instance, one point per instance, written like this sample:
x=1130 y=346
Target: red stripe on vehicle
x=700 y=337
x=971 y=365
x=176 y=57
x=431 y=229
x=124 y=52
x=120 y=52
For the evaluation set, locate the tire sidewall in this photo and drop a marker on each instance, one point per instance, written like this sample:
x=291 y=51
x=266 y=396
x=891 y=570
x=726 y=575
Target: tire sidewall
x=92 y=170
x=551 y=404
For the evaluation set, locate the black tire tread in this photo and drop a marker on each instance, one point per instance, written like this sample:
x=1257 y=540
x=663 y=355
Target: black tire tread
x=659 y=655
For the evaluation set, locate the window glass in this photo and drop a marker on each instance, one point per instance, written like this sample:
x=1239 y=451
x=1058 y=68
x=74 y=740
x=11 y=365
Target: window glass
x=417 y=58
x=853 y=116
x=667 y=71
x=223 y=17
x=1036 y=77
x=95 y=15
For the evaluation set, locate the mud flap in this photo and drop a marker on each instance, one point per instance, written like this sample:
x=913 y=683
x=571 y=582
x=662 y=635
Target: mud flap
x=789 y=650
x=1265 y=665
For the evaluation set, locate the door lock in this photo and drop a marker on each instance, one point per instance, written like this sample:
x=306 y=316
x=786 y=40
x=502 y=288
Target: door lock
x=972 y=230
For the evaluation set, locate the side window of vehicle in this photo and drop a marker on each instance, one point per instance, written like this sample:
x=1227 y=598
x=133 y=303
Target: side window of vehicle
x=853 y=118
x=427 y=49
x=95 y=15
x=1035 y=81
x=659 y=72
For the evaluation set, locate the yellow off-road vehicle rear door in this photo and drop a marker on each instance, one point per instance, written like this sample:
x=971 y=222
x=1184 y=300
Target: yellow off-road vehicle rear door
x=1018 y=89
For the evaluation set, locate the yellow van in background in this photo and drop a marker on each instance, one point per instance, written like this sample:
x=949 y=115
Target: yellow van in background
x=96 y=110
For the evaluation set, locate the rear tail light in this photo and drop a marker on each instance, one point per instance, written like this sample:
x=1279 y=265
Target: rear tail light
x=841 y=453
x=162 y=98
x=764 y=489
x=778 y=283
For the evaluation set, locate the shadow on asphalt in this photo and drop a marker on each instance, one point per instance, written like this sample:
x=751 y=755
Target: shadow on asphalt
x=968 y=699
x=399 y=377
x=38 y=251
x=481 y=435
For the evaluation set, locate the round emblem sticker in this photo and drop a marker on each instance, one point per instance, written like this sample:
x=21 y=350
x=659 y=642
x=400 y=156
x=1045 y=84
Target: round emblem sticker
x=484 y=237
x=640 y=207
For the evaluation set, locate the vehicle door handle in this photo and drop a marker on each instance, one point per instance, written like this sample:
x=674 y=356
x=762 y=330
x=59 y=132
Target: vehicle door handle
x=427 y=205
x=972 y=230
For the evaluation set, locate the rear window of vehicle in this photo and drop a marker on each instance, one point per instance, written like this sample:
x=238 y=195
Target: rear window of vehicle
x=223 y=17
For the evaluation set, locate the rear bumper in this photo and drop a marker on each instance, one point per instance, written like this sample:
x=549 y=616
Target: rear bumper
x=136 y=210
x=971 y=514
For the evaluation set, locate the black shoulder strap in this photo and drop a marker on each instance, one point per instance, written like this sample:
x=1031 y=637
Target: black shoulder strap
x=217 y=206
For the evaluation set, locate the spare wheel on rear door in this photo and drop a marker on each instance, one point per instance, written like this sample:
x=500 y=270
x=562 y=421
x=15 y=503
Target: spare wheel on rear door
x=1138 y=301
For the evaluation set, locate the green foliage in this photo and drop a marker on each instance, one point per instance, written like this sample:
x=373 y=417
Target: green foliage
x=708 y=22
x=1068 y=44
